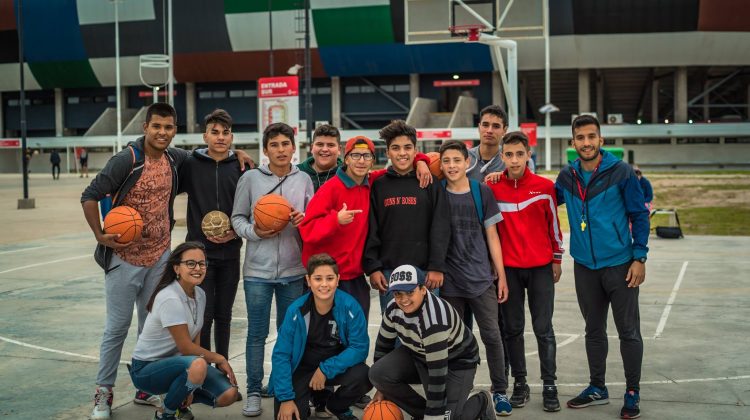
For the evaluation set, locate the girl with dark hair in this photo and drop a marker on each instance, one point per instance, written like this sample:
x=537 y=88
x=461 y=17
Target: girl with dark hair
x=168 y=358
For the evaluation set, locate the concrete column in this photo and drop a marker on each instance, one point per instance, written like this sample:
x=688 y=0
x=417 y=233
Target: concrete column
x=600 y=96
x=413 y=87
x=336 y=101
x=124 y=97
x=654 y=101
x=680 y=95
x=2 y=117
x=59 y=112
x=498 y=98
x=190 y=117
x=584 y=90
x=706 y=102
x=748 y=106
x=522 y=102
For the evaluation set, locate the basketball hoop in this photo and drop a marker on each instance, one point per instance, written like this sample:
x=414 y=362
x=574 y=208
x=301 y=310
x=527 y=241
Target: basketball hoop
x=471 y=32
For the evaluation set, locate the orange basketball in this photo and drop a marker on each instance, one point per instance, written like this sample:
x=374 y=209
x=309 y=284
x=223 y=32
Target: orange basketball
x=435 y=164
x=272 y=212
x=382 y=410
x=126 y=221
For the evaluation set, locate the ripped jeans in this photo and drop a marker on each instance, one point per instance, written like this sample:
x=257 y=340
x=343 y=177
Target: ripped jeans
x=169 y=376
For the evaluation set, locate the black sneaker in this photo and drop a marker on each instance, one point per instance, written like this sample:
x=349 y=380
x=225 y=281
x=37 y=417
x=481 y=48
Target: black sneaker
x=631 y=408
x=164 y=416
x=521 y=395
x=184 y=413
x=549 y=398
x=347 y=415
x=590 y=396
x=363 y=401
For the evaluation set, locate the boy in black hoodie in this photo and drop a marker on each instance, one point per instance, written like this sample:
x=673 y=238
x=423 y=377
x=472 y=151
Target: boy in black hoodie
x=407 y=224
x=209 y=177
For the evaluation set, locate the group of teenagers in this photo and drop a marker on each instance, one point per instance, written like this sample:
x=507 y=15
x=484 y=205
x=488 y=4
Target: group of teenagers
x=442 y=254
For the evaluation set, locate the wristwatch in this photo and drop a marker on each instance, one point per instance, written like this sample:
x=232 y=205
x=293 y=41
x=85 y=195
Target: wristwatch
x=641 y=260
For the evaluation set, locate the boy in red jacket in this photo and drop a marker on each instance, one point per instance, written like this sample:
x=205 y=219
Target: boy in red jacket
x=532 y=251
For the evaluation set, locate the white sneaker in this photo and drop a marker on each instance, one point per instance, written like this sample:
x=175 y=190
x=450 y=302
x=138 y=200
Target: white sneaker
x=252 y=405
x=102 y=404
x=144 y=398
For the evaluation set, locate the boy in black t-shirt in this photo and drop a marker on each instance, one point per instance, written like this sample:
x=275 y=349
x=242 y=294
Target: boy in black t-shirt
x=322 y=342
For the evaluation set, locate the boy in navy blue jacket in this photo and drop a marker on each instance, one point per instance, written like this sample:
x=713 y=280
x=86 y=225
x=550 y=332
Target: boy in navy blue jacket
x=322 y=342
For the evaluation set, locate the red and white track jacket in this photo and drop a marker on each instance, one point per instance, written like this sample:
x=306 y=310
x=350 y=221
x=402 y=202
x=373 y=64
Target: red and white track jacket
x=530 y=231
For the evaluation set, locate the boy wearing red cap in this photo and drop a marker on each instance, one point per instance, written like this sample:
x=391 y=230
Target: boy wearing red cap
x=336 y=219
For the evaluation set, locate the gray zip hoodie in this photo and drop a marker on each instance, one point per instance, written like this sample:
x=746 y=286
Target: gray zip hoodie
x=281 y=255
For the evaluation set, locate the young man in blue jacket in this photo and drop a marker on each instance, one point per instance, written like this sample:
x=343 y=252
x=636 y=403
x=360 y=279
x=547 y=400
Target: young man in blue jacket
x=322 y=342
x=603 y=197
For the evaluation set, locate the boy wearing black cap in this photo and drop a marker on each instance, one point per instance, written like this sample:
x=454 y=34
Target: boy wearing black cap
x=437 y=351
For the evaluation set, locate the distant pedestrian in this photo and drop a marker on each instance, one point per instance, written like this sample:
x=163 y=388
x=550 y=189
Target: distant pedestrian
x=83 y=159
x=54 y=159
x=648 y=190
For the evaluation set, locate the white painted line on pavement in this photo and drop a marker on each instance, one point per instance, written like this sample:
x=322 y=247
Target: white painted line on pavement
x=45 y=263
x=660 y=382
x=24 y=249
x=47 y=349
x=672 y=297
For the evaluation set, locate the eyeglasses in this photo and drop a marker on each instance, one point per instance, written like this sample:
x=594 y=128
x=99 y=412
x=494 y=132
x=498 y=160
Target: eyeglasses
x=358 y=156
x=191 y=264
x=401 y=294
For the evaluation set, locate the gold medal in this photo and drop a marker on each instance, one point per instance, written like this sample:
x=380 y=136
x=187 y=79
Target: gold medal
x=583 y=225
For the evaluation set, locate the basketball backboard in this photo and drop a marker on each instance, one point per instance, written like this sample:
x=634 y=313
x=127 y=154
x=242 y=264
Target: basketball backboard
x=429 y=21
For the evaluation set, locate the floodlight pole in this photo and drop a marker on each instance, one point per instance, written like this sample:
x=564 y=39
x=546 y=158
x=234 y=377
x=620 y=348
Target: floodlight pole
x=308 y=76
x=547 y=90
x=117 y=76
x=170 y=51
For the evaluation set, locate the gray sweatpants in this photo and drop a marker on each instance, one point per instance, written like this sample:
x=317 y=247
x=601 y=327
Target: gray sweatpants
x=124 y=286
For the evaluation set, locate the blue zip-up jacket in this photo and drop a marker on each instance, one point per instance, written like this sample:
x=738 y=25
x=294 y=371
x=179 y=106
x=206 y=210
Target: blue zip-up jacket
x=292 y=338
x=614 y=200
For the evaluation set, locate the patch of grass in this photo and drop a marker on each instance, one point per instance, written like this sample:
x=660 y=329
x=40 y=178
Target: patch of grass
x=725 y=187
x=733 y=221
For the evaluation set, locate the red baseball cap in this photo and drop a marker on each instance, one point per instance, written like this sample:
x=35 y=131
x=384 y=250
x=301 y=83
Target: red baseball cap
x=359 y=142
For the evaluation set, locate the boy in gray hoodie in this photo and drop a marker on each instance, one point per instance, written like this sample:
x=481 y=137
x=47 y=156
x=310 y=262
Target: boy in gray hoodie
x=273 y=260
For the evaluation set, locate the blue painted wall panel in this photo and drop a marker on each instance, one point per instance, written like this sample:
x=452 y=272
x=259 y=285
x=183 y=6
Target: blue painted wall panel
x=51 y=31
x=391 y=59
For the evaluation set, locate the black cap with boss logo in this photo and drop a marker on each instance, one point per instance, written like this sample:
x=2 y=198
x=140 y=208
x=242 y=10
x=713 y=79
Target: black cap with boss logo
x=405 y=278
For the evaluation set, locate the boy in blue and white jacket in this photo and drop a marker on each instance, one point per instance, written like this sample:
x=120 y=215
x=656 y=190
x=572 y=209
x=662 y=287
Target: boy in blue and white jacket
x=322 y=342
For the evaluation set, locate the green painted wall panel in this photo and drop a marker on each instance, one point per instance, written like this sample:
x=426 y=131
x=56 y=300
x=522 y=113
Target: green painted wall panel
x=353 y=26
x=64 y=74
x=253 y=6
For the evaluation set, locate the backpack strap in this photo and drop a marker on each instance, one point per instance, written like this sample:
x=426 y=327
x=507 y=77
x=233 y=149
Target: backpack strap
x=136 y=154
x=476 y=194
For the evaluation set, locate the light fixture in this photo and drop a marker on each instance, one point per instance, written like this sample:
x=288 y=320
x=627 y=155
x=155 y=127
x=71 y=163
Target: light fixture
x=294 y=70
x=666 y=121
x=690 y=121
x=547 y=108
x=638 y=121
x=455 y=77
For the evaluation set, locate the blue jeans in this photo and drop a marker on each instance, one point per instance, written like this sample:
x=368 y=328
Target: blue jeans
x=169 y=376
x=258 y=301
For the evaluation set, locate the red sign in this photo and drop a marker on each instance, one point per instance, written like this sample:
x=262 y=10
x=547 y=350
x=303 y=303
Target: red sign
x=434 y=134
x=273 y=87
x=10 y=143
x=530 y=130
x=452 y=83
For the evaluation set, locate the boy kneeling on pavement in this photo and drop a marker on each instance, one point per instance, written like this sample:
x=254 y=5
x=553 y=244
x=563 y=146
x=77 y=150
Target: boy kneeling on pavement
x=322 y=342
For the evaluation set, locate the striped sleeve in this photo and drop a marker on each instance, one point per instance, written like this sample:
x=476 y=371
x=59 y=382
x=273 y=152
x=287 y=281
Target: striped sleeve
x=386 y=340
x=441 y=332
